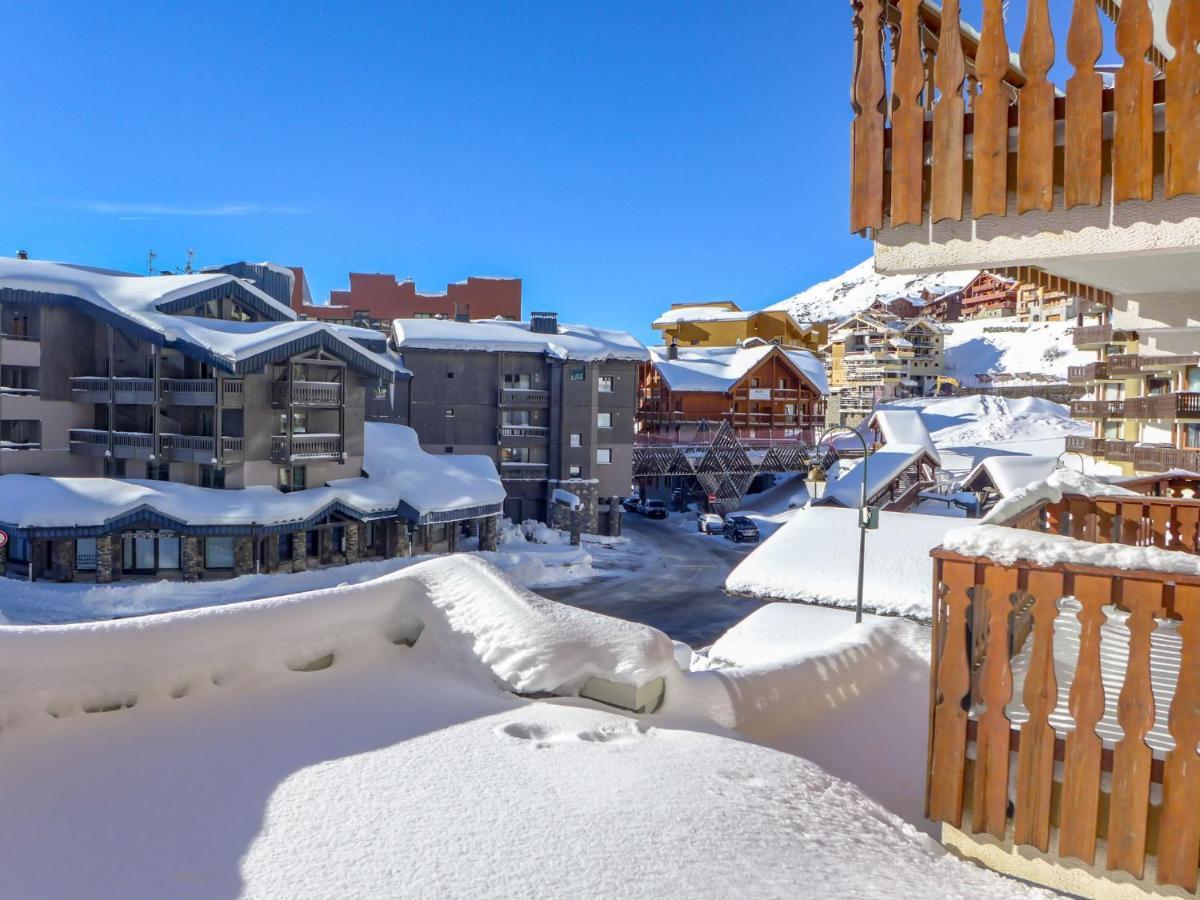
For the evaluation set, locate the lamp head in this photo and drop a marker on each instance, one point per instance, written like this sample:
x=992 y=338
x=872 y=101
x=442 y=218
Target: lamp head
x=815 y=481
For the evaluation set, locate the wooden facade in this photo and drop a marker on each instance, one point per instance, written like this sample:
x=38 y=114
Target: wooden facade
x=920 y=160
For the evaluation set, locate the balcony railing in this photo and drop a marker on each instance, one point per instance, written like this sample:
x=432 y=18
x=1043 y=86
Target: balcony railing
x=305 y=447
x=1164 y=406
x=1096 y=371
x=100 y=389
x=962 y=162
x=1089 y=446
x=1119 y=451
x=1122 y=365
x=313 y=394
x=1092 y=335
x=1169 y=361
x=524 y=431
x=524 y=398
x=516 y=471
x=203 y=392
x=125 y=444
x=1097 y=409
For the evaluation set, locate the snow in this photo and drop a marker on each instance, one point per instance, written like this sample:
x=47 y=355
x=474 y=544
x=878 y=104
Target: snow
x=882 y=467
x=578 y=342
x=814 y=557
x=398 y=471
x=773 y=634
x=1051 y=490
x=1034 y=353
x=718 y=369
x=904 y=426
x=226 y=771
x=678 y=314
x=856 y=289
x=1011 y=473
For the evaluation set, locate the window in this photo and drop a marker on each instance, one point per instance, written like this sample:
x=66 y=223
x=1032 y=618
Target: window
x=514 y=417
x=168 y=553
x=605 y=384
x=578 y=373
x=449 y=373
x=753 y=382
x=218 y=553
x=516 y=380
x=299 y=423
x=449 y=412
x=422 y=315
x=212 y=477
x=85 y=554
x=1191 y=435
x=437 y=533
x=293 y=478
x=18 y=549
x=514 y=454
x=604 y=420
x=575 y=471
x=448 y=450
x=576 y=440
x=603 y=456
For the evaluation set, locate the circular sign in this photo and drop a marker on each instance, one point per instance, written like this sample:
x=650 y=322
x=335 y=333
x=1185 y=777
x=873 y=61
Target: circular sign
x=3 y=538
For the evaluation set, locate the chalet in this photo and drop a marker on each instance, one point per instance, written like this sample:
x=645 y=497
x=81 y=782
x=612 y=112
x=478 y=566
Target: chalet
x=989 y=296
x=760 y=389
x=724 y=324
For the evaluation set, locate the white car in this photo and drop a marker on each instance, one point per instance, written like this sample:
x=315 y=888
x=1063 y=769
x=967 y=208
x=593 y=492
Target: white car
x=710 y=523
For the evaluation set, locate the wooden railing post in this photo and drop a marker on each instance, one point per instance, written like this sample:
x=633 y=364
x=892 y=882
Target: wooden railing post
x=1082 y=162
x=1179 y=828
x=946 y=170
x=1183 y=99
x=866 y=135
x=989 y=809
x=989 y=184
x=1035 y=136
x=1133 y=133
x=949 y=755
x=908 y=119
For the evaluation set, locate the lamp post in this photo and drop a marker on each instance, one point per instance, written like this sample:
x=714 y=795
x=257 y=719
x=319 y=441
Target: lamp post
x=816 y=483
x=1060 y=462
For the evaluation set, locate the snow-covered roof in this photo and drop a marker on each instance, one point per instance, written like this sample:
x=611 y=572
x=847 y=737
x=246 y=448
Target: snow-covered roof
x=150 y=305
x=718 y=369
x=1051 y=490
x=679 y=314
x=904 y=426
x=1010 y=473
x=401 y=478
x=578 y=342
x=883 y=467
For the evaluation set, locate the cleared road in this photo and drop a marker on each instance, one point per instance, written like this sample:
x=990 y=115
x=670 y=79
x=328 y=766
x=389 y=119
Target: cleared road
x=667 y=577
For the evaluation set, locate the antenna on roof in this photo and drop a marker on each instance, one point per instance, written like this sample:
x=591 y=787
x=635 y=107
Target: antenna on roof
x=150 y=262
x=191 y=254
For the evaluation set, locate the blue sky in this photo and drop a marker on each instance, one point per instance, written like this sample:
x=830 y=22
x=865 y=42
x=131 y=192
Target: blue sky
x=616 y=156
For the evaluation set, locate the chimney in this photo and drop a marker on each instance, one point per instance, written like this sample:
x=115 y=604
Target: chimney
x=22 y=254
x=673 y=350
x=543 y=322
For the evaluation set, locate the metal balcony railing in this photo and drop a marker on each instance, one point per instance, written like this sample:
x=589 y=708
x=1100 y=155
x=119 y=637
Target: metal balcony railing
x=514 y=471
x=524 y=398
x=524 y=431
x=302 y=447
x=313 y=394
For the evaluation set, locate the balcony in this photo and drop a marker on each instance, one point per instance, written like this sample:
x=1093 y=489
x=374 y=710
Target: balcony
x=517 y=471
x=1088 y=446
x=203 y=392
x=1164 y=459
x=1097 y=371
x=1097 y=409
x=1170 y=407
x=523 y=398
x=918 y=162
x=125 y=444
x=311 y=394
x=305 y=448
x=1168 y=362
x=1119 y=451
x=1092 y=337
x=101 y=389
x=1124 y=365
x=199 y=448
x=20 y=351
x=524 y=431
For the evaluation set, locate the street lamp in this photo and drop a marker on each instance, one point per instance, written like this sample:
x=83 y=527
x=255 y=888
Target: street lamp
x=1060 y=462
x=816 y=482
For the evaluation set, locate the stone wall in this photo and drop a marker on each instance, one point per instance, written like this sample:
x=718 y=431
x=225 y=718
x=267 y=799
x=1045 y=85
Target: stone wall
x=299 y=551
x=108 y=569
x=191 y=558
x=62 y=560
x=489 y=533
x=243 y=556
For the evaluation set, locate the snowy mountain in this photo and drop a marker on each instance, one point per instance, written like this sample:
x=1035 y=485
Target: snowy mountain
x=1029 y=353
x=856 y=289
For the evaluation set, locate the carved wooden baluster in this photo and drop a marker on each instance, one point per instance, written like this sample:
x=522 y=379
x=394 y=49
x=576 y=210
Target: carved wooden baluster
x=908 y=119
x=1186 y=520
x=866 y=132
x=946 y=170
x=1083 y=524
x=1179 y=827
x=1035 y=762
x=1106 y=513
x=989 y=185
x=949 y=716
x=1035 y=136
x=1133 y=135
x=1081 y=763
x=1160 y=520
x=1132 y=757
x=1082 y=166
x=989 y=806
x=1183 y=99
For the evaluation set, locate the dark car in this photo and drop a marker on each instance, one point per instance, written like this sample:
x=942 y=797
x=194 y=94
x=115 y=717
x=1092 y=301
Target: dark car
x=654 y=509
x=740 y=528
x=631 y=504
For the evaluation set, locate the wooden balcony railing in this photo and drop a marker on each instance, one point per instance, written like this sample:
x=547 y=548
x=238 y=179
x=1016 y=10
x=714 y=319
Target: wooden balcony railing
x=1164 y=459
x=1097 y=409
x=1097 y=371
x=1119 y=451
x=1092 y=335
x=1164 y=406
x=1124 y=364
x=930 y=155
x=1089 y=446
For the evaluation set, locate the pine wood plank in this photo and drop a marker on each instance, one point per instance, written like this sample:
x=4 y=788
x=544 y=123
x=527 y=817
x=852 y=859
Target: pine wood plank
x=989 y=807
x=1133 y=132
x=1179 y=827
x=1183 y=99
x=1081 y=762
x=989 y=161
x=949 y=112
x=1130 y=804
x=1083 y=166
x=1035 y=136
x=949 y=713
x=908 y=120
x=866 y=131
x=1035 y=759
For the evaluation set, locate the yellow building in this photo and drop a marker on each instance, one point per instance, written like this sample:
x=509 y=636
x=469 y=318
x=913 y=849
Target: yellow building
x=724 y=324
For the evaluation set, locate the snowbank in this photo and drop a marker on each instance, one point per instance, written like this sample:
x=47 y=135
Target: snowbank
x=814 y=557
x=478 y=618
x=779 y=633
x=1051 y=490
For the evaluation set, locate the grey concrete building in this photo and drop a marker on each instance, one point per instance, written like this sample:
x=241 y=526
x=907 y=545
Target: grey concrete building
x=553 y=404
x=180 y=399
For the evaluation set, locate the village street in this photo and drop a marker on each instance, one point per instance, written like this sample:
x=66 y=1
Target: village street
x=666 y=576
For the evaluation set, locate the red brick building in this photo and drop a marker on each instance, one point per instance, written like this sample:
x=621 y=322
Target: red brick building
x=376 y=299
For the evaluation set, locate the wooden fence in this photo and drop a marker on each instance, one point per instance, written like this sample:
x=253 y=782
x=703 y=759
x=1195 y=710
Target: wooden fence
x=942 y=154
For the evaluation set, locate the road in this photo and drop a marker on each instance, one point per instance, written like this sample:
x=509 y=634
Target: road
x=666 y=577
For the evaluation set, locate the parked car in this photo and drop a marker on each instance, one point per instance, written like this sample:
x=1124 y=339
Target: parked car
x=631 y=503
x=740 y=528
x=709 y=523
x=653 y=509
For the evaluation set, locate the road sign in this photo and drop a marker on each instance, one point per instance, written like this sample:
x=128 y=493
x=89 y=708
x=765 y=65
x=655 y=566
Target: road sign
x=3 y=538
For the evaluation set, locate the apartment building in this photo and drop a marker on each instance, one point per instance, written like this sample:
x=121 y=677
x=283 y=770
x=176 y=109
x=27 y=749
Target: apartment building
x=874 y=357
x=374 y=300
x=553 y=404
x=989 y=296
x=190 y=426
x=1062 y=716
x=724 y=324
x=762 y=390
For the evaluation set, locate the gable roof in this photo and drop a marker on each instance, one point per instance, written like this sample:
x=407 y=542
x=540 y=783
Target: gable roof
x=718 y=369
x=906 y=427
x=882 y=468
x=577 y=342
